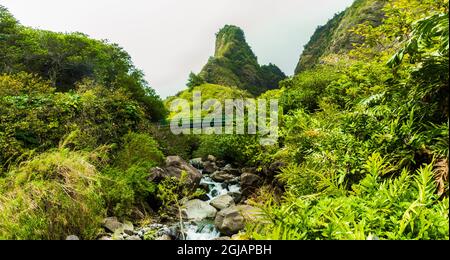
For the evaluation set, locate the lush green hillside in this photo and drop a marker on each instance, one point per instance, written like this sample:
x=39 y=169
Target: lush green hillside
x=75 y=117
x=365 y=140
x=235 y=64
x=209 y=91
x=362 y=152
x=65 y=59
x=337 y=37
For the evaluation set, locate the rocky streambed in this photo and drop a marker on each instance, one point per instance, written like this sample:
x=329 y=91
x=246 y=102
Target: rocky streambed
x=220 y=214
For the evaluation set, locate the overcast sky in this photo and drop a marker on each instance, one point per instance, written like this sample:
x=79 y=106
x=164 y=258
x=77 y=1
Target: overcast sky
x=169 y=38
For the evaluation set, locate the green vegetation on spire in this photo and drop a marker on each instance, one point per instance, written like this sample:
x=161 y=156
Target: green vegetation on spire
x=235 y=64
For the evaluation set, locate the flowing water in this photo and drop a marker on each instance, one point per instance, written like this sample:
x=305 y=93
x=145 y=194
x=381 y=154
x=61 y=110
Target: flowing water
x=205 y=230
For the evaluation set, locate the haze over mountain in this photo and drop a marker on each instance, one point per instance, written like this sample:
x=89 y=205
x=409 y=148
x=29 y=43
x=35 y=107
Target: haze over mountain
x=168 y=39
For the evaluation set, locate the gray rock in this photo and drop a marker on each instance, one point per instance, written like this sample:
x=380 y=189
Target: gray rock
x=209 y=167
x=175 y=166
x=105 y=238
x=221 y=163
x=204 y=187
x=128 y=228
x=275 y=168
x=249 y=170
x=133 y=238
x=222 y=176
x=112 y=224
x=237 y=196
x=129 y=232
x=211 y=158
x=197 y=210
x=233 y=171
x=157 y=174
x=72 y=238
x=234 y=181
x=249 y=183
x=136 y=214
x=175 y=161
x=232 y=220
x=222 y=202
x=197 y=163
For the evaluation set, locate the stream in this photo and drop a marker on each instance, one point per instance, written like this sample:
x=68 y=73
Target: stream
x=201 y=213
x=205 y=230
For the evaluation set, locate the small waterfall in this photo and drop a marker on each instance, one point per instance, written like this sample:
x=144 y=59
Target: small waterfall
x=201 y=231
x=205 y=230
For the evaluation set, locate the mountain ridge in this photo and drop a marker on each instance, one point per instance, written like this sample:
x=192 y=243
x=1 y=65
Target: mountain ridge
x=336 y=36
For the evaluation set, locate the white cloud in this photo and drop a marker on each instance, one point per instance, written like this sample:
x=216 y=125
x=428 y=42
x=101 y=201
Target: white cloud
x=169 y=38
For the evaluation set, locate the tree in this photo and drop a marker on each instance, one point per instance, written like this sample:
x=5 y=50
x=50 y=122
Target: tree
x=194 y=81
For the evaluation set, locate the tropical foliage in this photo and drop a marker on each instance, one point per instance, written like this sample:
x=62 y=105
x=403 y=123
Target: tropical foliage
x=364 y=130
x=367 y=140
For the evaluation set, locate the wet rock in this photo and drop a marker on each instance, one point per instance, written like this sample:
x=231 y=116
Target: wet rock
x=222 y=202
x=249 y=183
x=204 y=186
x=222 y=176
x=233 y=171
x=214 y=193
x=234 y=181
x=204 y=197
x=197 y=163
x=209 y=167
x=112 y=224
x=197 y=210
x=232 y=220
x=128 y=228
x=237 y=196
x=136 y=214
x=249 y=170
x=221 y=163
x=275 y=168
x=175 y=166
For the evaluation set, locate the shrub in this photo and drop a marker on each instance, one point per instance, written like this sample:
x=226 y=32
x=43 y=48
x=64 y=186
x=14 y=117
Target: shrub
x=182 y=145
x=124 y=190
x=404 y=207
x=126 y=184
x=35 y=118
x=139 y=150
x=54 y=195
x=240 y=149
x=305 y=90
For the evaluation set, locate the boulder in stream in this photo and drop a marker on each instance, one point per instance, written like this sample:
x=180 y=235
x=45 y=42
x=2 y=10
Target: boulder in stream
x=112 y=224
x=233 y=171
x=197 y=210
x=249 y=183
x=222 y=176
x=222 y=202
x=232 y=220
x=175 y=166
x=209 y=167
